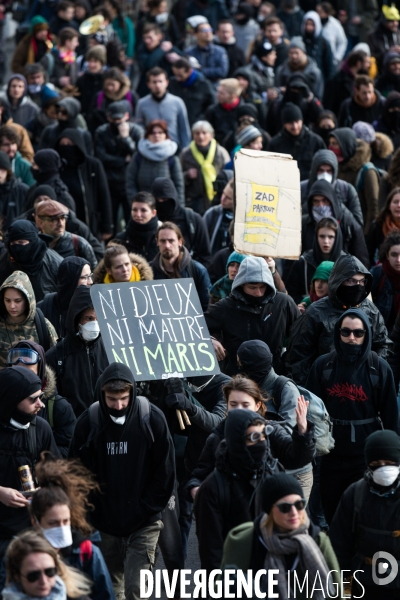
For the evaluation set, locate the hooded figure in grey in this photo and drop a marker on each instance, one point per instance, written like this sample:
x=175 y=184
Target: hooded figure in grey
x=241 y=316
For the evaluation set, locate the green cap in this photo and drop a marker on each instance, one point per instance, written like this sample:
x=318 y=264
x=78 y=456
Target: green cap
x=323 y=270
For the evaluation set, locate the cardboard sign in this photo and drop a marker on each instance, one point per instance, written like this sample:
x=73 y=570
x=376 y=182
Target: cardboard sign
x=268 y=204
x=157 y=328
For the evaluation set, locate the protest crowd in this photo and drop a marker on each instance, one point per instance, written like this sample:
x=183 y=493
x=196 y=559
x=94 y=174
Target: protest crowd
x=121 y=125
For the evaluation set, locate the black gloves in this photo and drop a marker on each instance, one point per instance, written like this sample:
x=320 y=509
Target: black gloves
x=177 y=398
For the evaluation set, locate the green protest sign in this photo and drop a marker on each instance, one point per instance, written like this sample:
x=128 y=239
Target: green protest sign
x=156 y=328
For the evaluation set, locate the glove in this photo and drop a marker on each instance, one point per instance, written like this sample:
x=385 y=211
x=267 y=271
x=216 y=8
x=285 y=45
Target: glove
x=180 y=402
x=174 y=385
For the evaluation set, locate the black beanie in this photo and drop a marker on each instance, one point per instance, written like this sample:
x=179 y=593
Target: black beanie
x=5 y=161
x=291 y=112
x=382 y=445
x=276 y=487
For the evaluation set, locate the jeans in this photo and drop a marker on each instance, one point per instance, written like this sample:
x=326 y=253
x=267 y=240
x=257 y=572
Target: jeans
x=125 y=557
x=337 y=474
x=306 y=482
x=315 y=503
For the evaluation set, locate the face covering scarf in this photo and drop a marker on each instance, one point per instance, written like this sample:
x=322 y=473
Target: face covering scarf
x=320 y=212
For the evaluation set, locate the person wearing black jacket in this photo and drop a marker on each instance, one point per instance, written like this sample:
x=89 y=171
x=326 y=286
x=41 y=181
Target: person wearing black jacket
x=246 y=113
x=244 y=458
x=139 y=235
x=195 y=90
x=72 y=272
x=12 y=193
x=340 y=87
x=358 y=390
x=253 y=311
x=189 y=222
x=223 y=115
x=134 y=464
x=225 y=37
x=366 y=103
x=68 y=110
x=55 y=410
x=79 y=358
x=322 y=202
x=365 y=520
x=46 y=170
x=314 y=335
x=86 y=179
x=23 y=437
x=296 y=139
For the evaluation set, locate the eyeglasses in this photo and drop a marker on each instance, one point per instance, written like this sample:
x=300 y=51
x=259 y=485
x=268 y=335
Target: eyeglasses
x=26 y=356
x=353 y=281
x=286 y=507
x=35 y=575
x=34 y=399
x=86 y=277
x=54 y=219
x=257 y=436
x=346 y=332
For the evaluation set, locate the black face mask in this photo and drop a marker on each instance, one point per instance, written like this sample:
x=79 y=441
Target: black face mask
x=40 y=176
x=117 y=413
x=324 y=133
x=29 y=256
x=257 y=453
x=71 y=154
x=351 y=351
x=22 y=417
x=351 y=295
x=309 y=35
x=324 y=20
x=165 y=210
x=253 y=300
x=114 y=129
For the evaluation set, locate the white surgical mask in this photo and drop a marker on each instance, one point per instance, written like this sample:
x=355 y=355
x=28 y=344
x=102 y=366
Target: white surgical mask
x=162 y=18
x=34 y=88
x=386 y=475
x=320 y=212
x=90 y=331
x=58 y=537
x=327 y=176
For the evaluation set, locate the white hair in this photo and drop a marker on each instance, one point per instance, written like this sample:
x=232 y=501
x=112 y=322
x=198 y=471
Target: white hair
x=205 y=125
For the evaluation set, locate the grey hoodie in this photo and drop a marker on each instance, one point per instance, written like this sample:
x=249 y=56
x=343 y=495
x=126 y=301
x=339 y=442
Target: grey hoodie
x=254 y=269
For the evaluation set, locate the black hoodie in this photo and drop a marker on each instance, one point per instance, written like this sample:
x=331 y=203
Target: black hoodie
x=314 y=334
x=51 y=133
x=136 y=478
x=82 y=363
x=16 y=384
x=55 y=306
x=348 y=394
x=190 y=223
x=352 y=233
x=87 y=180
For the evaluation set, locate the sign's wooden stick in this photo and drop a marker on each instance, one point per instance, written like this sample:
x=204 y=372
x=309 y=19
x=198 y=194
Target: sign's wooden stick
x=185 y=417
x=181 y=423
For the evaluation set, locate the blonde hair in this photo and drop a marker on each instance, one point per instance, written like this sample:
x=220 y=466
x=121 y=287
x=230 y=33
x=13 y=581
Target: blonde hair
x=31 y=542
x=232 y=85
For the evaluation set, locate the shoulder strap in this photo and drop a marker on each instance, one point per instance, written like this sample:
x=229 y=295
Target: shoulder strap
x=278 y=388
x=42 y=330
x=328 y=367
x=50 y=410
x=75 y=243
x=144 y=411
x=191 y=223
x=359 y=494
x=32 y=443
x=94 y=420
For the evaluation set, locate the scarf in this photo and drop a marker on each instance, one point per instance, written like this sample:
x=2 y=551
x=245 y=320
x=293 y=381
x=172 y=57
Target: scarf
x=231 y=105
x=135 y=276
x=390 y=224
x=67 y=56
x=14 y=592
x=141 y=234
x=206 y=166
x=190 y=80
x=299 y=542
x=222 y=288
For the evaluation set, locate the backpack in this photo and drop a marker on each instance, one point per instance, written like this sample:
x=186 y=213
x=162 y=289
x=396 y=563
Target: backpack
x=359 y=184
x=42 y=330
x=316 y=413
x=373 y=369
x=144 y=411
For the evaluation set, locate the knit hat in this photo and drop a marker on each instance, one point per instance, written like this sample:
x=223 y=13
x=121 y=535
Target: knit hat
x=50 y=208
x=247 y=135
x=362 y=47
x=43 y=190
x=97 y=53
x=5 y=162
x=235 y=257
x=38 y=23
x=364 y=131
x=291 y=112
x=276 y=487
x=382 y=445
x=247 y=109
x=323 y=270
x=297 y=42
x=255 y=360
x=264 y=49
x=48 y=160
x=391 y=13
x=392 y=101
x=47 y=93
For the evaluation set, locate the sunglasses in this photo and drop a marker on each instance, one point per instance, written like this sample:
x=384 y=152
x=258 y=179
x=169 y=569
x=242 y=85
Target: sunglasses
x=256 y=436
x=286 y=507
x=346 y=332
x=34 y=399
x=26 y=356
x=35 y=575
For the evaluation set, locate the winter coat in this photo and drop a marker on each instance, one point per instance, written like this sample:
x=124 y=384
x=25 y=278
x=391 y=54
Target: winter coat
x=140 y=239
x=63 y=420
x=136 y=478
x=11 y=333
x=223 y=121
x=195 y=192
x=338 y=89
x=51 y=133
x=187 y=268
x=314 y=334
x=236 y=56
x=311 y=72
x=318 y=48
x=352 y=234
x=310 y=110
x=301 y=147
x=91 y=175
x=113 y=150
x=86 y=361
x=75 y=245
x=197 y=96
x=382 y=151
x=172 y=110
x=22 y=169
x=151 y=161
x=12 y=201
x=213 y=219
x=291 y=20
x=334 y=34
x=101 y=101
x=380 y=40
x=23 y=112
x=350 y=111
x=213 y=61
x=234 y=320
x=145 y=271
x=89 y=85
x=345 y=192
x=349 y=533
x=44 y=282
x=368 y=194
x=25 y=145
